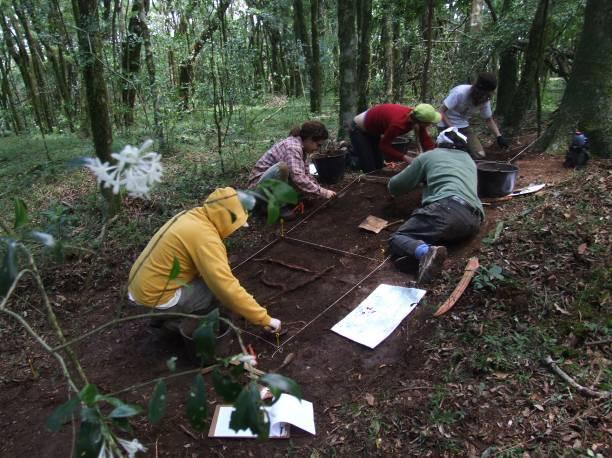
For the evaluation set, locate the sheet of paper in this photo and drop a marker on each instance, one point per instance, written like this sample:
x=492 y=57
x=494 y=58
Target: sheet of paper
x=220 y=426
x=287 y=410
x=379 y=314
x=312 y=169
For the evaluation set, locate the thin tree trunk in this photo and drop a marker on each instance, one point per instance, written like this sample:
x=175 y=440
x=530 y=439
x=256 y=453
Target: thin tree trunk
x=348 y=76
x=386 y=36
x=363 y=67
x=427 y=35
x=150 y=63
x=534 y=56
x=130 y=61
x=86 y=18
x=186 y=66
x=17 y=121
x=301 y=34
x=315 y=71
x=587 y=100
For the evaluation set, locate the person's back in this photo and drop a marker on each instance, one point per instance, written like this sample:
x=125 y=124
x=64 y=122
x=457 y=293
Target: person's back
x=449 y=173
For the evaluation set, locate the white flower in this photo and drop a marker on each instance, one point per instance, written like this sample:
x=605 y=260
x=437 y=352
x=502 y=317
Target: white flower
x=135 y=169
x=246 y=359
x=132 y=447
x=46 y=239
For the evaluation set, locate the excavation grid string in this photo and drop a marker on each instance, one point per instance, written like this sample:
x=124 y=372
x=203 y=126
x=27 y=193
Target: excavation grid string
x=299 y=223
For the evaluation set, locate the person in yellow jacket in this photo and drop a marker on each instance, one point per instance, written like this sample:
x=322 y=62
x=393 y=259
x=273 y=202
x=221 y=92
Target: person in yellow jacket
x=195 y=239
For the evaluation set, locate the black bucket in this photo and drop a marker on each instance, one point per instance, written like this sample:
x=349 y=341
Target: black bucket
x=330 y=169
x=495 y=179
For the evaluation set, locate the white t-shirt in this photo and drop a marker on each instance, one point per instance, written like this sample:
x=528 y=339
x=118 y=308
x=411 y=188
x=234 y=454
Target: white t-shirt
x=460 y=107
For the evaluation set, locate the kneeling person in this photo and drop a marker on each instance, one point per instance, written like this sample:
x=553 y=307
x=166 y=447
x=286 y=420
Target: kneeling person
x=451 y=209
x=195 y=239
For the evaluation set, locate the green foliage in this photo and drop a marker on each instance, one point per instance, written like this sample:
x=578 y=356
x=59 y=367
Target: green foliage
x=196 y=406
x=157 y=403
x=279 y=384
x=487 y=278
x=21 y=213
x=276 y=193
x=249 y=414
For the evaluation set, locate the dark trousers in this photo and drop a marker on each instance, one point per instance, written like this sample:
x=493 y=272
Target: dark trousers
x=365 y=155
x=441 y=222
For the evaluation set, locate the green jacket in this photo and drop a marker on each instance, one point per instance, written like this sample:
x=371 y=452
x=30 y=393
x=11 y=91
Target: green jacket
x=445 y=172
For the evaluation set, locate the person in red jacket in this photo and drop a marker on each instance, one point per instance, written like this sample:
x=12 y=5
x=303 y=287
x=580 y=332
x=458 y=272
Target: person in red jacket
x=374 y=130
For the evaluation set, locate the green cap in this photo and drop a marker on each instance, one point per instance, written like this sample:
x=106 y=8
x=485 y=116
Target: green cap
x=424 y=112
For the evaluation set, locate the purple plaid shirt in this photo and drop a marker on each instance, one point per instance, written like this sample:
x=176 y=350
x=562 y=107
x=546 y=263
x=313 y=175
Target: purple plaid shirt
x=290 y=152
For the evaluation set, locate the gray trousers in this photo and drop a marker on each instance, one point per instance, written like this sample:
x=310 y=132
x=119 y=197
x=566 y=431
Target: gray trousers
x=196 y=299
x=441 y=222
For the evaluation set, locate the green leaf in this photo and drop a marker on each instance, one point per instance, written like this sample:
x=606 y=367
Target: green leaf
x=157 y=404
x=171 y=363
x=249 y=414
x=279 y=190
x=175 y=270
x=225 y=386
x=205 y=340
x=122 y=423
x=8 y=269
x=115 y=402
x=197 y=409
x=89 y=440
x=21 y=213
x=62 y=414
x=280 y=384
x=90 y=414
x=88 y=394
x=273 y=211
x=125 y=411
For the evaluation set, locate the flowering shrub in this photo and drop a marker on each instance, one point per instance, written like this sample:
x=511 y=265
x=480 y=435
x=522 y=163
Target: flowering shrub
x=135 y=169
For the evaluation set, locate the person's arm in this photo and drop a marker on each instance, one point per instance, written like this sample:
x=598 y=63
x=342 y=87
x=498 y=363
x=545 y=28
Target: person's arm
x=407 y=179
x=443 y=109
x=425 y=140
x=299 y=176
x=211 y=261
x=385 y=145
x=501 y=140
x=493 y=127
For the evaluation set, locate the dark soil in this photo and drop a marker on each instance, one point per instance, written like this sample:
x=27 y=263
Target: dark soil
x=346 y=382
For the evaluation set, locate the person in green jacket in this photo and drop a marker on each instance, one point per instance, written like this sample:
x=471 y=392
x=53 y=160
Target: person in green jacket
x=450 y=210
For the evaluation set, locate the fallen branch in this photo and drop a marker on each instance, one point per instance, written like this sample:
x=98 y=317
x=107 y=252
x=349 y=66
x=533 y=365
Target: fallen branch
x=284 y=264
x=468 y=273
x=270 y=283
x=581 y=389
x=298 y=285
x=599 y=342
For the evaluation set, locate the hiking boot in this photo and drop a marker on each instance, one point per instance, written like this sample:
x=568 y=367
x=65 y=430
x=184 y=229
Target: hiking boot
x=431 y=263
x=405 y=264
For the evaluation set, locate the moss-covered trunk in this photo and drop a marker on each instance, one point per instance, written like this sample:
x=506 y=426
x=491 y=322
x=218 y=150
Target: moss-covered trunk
x=587 y=100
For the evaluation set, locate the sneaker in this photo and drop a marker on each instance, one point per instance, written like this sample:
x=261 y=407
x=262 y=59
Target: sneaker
x=431 y=263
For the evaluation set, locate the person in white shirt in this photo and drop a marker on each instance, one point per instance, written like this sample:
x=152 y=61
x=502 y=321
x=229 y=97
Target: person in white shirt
x=466 y=100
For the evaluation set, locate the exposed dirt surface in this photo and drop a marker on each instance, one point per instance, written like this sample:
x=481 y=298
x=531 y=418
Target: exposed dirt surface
x=390 y=401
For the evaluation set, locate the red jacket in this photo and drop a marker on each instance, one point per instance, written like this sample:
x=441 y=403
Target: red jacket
x=389 y=121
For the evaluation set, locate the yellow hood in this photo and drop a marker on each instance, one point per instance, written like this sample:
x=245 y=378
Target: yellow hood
x=224 y=210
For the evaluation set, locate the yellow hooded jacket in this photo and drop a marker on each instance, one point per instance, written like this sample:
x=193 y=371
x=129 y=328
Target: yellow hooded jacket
x=195 y=238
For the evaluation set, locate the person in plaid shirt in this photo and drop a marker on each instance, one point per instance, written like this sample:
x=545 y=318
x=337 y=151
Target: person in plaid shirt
x=286 y=160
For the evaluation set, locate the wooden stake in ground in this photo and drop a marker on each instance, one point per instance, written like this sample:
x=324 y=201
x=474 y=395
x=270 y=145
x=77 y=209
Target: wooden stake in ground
x=468 y=273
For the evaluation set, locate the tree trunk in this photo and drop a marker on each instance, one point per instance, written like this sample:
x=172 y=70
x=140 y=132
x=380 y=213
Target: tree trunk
x=348 y=78
x=17 y=120
x=363 y=67
x=534 y=56
x=301 y=34
x=150 y=63
x=386 y=37
x=186 y=66
x=427 y=35
x=507 y=80
x=315 y=70
x=587 y=100
x=86 y=18
x=130 y=61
